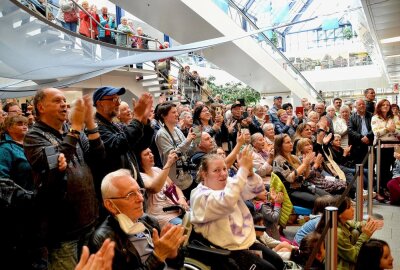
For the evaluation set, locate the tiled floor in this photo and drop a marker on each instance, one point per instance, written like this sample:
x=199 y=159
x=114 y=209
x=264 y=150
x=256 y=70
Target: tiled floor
x=390 y=232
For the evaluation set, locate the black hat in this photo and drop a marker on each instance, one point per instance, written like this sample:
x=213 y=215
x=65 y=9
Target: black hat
x=236 y=104
x=106 y=91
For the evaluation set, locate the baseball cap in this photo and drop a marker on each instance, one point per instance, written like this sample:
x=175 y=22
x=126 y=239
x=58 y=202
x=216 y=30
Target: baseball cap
x=106 y=91
x=277 y=97
x=236 y=104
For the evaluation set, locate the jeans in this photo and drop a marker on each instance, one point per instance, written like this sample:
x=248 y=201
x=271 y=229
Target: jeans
x=176 y=221
x=66 y=255
x=70 y=26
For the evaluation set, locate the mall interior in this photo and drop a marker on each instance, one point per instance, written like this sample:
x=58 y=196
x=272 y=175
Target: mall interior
x=295 y=50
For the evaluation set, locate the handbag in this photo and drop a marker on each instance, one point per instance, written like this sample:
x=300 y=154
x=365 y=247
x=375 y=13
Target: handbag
x=171 y=193
x=70 y=16
x=332 y=167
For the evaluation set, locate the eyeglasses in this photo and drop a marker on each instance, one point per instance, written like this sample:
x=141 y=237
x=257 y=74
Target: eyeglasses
x=133 y=195
x=17 y=111
x=114 y=99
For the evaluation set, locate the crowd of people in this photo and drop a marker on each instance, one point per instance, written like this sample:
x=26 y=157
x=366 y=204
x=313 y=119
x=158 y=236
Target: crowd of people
x=99 y=172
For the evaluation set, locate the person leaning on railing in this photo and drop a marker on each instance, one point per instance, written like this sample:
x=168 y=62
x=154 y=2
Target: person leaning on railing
x=87 y=25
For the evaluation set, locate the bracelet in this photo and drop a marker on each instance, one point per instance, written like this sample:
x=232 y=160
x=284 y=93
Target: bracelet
x=92 y=131
x=74 y=133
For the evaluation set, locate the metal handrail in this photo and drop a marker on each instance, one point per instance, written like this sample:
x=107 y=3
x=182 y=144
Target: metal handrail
x=109 y=29
x=233 y=4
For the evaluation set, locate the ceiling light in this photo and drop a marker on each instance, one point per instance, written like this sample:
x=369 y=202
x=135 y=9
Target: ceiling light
x=390 y=40
x=392 y=56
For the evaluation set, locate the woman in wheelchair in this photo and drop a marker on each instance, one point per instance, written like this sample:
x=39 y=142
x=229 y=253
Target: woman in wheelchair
x=162 y=191
x=220 y=215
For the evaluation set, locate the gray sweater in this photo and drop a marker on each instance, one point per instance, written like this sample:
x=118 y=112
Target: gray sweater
x=165 y=144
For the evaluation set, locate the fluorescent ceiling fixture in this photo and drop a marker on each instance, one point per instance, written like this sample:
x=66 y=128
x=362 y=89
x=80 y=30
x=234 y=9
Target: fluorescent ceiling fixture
x=392 y=56
x=390 y=40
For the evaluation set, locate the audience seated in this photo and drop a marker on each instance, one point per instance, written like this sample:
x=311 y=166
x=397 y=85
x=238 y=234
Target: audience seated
x=318 y=176
x=162 y=191
x=295 y=173
x=218 y=205
x=311 y=225
x=262 y=159
x=139 y=241
x=374 y=255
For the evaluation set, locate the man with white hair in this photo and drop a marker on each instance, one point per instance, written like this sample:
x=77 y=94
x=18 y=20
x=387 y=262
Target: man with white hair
x=139 y=242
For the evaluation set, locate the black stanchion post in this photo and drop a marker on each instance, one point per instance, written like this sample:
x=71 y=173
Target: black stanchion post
x=360 y=191
x=331 y=238
x=378 y=166
x=370 y=179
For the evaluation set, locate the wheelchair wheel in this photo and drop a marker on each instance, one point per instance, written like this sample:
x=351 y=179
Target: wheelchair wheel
x=192 y=264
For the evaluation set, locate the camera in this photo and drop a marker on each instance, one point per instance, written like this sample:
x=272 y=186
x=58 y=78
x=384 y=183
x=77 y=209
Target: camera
x=183 y=163
x=51 y=153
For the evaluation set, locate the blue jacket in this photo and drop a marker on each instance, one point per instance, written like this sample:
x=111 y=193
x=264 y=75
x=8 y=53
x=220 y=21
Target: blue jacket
x=13 y=163
x=103 y=22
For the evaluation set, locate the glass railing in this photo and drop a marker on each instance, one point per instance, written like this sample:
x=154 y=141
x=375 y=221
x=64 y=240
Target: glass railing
x=241 y=19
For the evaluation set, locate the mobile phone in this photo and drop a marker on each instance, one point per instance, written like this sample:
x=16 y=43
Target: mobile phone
x=51 y=153
x=299 y=110
x=245 y=115
x=239 y=127
x=197 y=131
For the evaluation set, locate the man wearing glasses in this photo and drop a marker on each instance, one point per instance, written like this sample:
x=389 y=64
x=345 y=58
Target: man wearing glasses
x=12 y=109
x=120 y=141
x=140 y=244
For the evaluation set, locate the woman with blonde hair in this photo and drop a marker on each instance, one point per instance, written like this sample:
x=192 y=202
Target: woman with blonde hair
x=295 y=172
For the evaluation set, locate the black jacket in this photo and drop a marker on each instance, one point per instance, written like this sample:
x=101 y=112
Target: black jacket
x=126 y=257
x=121 y=142
x=355 y=129
x=66 y=201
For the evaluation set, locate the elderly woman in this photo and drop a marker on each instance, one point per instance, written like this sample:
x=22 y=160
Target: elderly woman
x=87 y=24
x=18 y=216
x=339 y=125
x=221 y=216
x=269 y=134
x=262 y=159
x=313 y=117
x=122 y=38
x=345 y=116
x=386 y=127
x=259 y=116
x=295 y=173
x=285 y=124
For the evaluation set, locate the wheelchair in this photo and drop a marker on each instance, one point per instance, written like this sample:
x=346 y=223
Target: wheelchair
x=199 y=255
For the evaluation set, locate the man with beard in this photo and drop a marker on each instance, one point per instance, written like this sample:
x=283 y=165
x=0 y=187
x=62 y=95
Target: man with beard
x=120 y=141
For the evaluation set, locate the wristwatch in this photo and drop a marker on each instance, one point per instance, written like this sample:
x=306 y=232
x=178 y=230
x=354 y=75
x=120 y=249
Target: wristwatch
x=92 y=131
